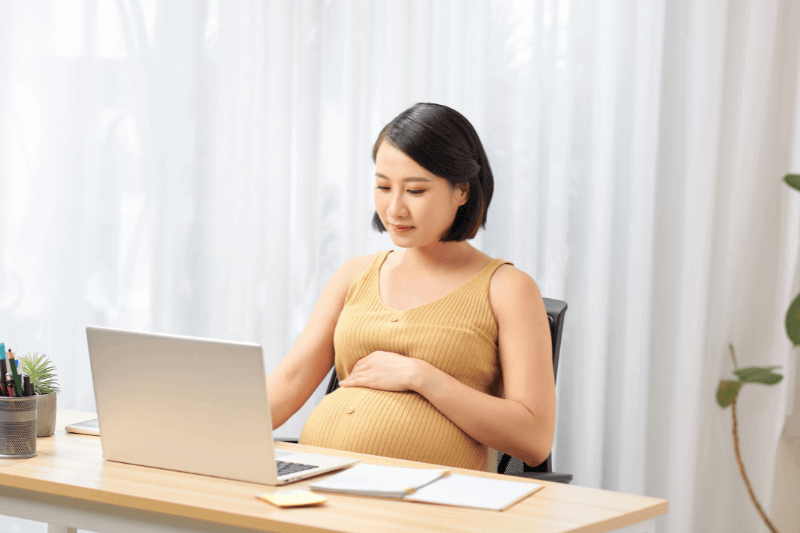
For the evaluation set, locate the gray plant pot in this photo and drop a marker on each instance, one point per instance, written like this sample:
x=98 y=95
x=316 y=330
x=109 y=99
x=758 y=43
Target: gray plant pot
x=46 y=415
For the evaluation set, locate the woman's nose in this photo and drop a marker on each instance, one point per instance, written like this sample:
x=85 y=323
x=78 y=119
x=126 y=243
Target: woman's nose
x=397 y=207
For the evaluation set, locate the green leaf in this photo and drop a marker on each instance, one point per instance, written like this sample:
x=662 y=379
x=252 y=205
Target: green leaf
x=758 y=374
x=42 y=373
x=793 y=321
x=793 y=180
x=727 y=391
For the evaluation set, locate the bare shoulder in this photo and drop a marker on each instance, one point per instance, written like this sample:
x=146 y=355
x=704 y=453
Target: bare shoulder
x=511 y=289
x=358 y=264
x=350 y=270
x=335 y=291
x=509 y=280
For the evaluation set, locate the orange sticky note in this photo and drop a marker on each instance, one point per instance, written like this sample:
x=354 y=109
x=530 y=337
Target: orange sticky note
x=292 y=498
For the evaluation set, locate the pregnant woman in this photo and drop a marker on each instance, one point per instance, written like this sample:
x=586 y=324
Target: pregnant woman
x=442 y=350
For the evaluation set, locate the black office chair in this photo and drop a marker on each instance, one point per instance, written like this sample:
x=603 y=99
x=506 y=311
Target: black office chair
x=506 y=464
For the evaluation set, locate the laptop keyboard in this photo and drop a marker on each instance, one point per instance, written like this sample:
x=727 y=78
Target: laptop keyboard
x=285 y=468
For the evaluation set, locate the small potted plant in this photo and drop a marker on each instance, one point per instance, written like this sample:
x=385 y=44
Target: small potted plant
x=45 y=383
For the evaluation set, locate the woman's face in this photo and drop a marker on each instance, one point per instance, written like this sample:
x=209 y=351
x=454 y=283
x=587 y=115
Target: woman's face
x=416 y=207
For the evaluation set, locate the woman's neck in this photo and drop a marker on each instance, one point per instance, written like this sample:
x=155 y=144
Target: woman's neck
x=438 y=256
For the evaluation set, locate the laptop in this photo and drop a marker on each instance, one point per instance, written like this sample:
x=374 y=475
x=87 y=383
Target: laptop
x=192 y=405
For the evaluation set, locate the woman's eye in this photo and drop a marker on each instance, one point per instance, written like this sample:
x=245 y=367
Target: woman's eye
x=416 y=191
x=381 y=187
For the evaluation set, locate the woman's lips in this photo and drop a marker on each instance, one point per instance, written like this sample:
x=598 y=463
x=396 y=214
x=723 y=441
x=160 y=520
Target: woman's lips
x=401 y=229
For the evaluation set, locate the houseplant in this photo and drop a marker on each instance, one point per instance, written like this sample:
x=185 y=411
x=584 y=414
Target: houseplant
x=728 y=390
x=45 y=383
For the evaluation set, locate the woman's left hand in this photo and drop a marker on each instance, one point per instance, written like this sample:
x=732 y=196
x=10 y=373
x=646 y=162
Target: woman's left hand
x=387 y=371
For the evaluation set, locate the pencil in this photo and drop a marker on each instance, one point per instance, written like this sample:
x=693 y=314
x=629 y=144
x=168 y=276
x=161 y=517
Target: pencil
x=14 y=373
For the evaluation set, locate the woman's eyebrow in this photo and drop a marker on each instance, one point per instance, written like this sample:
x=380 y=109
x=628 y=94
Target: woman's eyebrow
x=379 y=175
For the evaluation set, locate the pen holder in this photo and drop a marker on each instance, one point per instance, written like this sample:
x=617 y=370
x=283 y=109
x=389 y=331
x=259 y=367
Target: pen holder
x=18 y=427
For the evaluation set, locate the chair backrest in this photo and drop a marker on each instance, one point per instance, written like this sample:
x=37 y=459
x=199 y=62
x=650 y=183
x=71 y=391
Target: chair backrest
x=556 y=309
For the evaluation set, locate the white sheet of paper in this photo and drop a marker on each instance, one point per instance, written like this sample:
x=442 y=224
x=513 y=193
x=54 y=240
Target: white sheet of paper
x=473 y=491
x=378 y=480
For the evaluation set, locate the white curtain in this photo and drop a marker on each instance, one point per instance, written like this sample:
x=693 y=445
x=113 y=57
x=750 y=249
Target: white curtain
x=203 y=167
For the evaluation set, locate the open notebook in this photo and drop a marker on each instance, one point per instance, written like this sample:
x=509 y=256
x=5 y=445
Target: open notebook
x=428 y=485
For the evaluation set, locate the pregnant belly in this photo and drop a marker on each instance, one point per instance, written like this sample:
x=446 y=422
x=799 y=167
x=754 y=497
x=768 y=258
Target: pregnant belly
x=391 y=424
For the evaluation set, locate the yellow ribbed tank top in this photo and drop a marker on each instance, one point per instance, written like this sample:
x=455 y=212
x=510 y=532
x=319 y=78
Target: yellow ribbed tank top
x=456 y=333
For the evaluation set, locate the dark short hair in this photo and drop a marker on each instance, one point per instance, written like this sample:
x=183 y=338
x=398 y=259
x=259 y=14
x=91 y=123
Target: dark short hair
x=444 y=143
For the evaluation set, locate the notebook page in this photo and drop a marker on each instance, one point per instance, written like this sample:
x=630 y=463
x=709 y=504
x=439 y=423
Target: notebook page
x=472 y=491
x=375 y=480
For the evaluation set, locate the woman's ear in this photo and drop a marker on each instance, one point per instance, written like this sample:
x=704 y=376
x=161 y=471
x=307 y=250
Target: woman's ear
x=462 y=190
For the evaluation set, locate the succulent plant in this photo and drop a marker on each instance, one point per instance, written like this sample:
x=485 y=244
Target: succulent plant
x=41 y=371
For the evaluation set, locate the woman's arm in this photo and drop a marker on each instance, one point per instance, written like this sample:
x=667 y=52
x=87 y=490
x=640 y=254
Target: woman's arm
x=305 y=366
x=523 y=423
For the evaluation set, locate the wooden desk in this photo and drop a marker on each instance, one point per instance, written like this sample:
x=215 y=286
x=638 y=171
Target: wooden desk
x=69 y=484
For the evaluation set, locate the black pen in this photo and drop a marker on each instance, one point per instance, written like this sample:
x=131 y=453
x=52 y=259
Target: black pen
x=15 y=375
x=3 y=367
x=10 y=385
x=26 y=385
